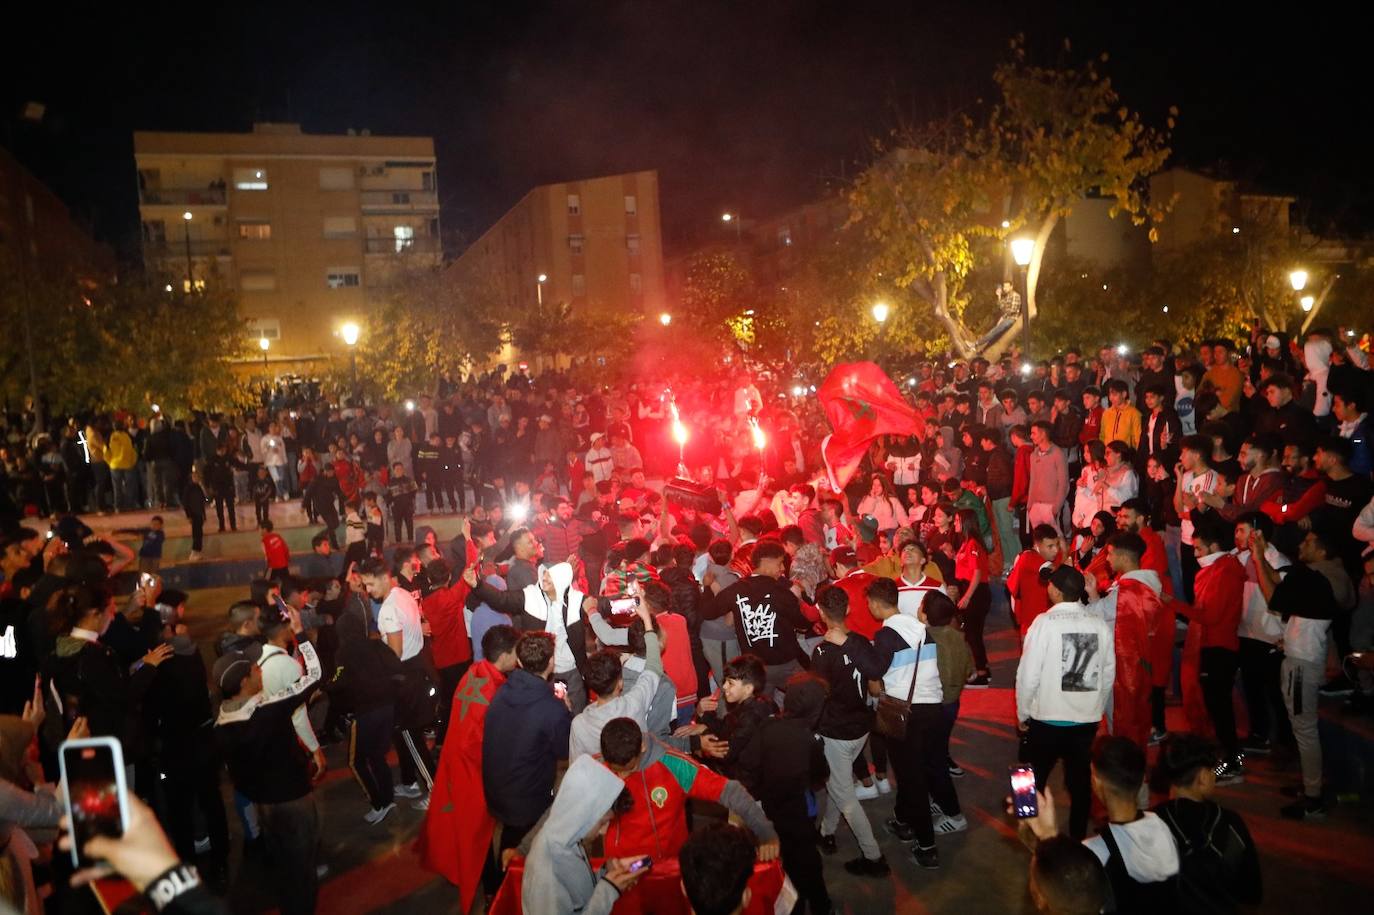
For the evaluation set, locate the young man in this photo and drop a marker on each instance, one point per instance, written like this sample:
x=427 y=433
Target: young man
x=1121 y=420
x=1259 y=640
x=1162 y=432
x=844 y=727
x=913 y=584
x=275 y=551
x=955 y=663
x=717 y=862
x=767 y=614
x=1048 y=478
x=1063 y=681
x=193 y=499
x=1193 y=477
x=1092 y=415
x=264 y=490
x=400 y=495
x=1218 y=599
x=1029 y=596
x=1137 y=849
x=609 y=698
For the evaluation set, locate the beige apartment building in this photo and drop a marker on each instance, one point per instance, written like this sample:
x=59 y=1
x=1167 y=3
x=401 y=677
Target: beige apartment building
x=307 y=228
x=594 y=244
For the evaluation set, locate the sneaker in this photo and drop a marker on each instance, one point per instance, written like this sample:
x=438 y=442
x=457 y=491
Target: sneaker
x=1256 y=746
x=421 y=804
x=955 y=770
x=377 y=814
x=882 y=785
x=865 y=792
x=946 y=825
x=935 y=811
x=900 y=830
x=827 y=845
x=1157 y=736
x=929 y=858
x=978 y=681
x=1308 y=808
x=1337 y=686
x=868 y=867
x=193 y=556
x=408 y=791
x=1230 y=772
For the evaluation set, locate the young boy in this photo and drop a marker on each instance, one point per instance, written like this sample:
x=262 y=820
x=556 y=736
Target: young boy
x=746 y=708
x=263 y=491
x=1121 y=420
x=275 y=551
x=372 y=515
x=150 y=550
x=400 y=495
x=955 y=662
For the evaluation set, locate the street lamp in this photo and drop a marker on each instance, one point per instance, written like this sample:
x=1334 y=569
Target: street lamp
x=1307 y=302
x=665 y=319
x=540 y=280
x=264 y=344
x=880 y=312
x=1299 y=280
x=735 y=218
x=186 y=225
x=349 y=332
x=1022 y=249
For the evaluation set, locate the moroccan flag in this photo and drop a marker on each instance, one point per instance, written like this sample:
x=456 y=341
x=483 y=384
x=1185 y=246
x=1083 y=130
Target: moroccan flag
x=861 y=403
x=457 y=831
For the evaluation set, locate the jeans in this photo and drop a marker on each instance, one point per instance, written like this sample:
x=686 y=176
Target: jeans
x=1187 y=561
x=1217 y=676
x=1260 y=663
x=403 y=525
x=291 y=831
x=368 y=743
x=125 y=489
x=1006 y=532
x=975 y=618
x=278 y=474
x=1173 y=541
x=777 y=675
x=100 y=474
x=1301 y=680
x=263 y=511
x=914 y=757
x=1045 y=744
x=841 y=754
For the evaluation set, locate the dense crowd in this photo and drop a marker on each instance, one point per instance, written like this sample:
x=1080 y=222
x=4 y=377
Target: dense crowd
x=657 y=597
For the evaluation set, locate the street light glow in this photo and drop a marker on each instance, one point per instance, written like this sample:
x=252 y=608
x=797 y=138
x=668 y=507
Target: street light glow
x=1235 y=230
x=665 y=319
x=264 y=343
x=726 y=217
x=186 y=216
x=1307 y=302
x=1006 y=223
x=410 y=406
x=1025 y=368
x=543 y=277
x=880 y=312
x=1299 y=280
x=1021 y=250
x=1121 y=349
x=349 y=332
x=168 y=287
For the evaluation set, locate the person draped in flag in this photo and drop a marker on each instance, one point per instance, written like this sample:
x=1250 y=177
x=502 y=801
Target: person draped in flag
x=1132 y=607
x=455 y=839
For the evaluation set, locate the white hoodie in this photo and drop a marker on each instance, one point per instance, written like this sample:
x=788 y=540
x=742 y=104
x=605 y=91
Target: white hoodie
x=1068 y=666
x=1147 y=848
x=1317 y=355
x=569 y=610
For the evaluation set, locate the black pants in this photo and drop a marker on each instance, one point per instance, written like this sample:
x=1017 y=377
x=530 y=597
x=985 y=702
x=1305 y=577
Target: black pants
x=492 y=872
x=403 y=524
x=225 y=503
x=291 y=831
x=449 y=678
x=197 y=533
x=1045 y=744
x=369 y=739
x=191 y=780
x=263 y=511
x=1259 y=680
x=975 y=618
x=941 y=782
x=1187 y=561
x=801 y=859
x=913 y=759
x=1217 y=675
x=411 y=753
x=330 y=520
x=1157 y=708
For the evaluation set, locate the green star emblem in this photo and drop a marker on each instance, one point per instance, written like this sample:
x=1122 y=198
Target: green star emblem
x=471 y=694
x=860 y=408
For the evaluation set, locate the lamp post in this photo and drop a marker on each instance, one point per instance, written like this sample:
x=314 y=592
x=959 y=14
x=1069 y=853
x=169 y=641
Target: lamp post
x=1298 y=279
x=349 y=332
x=186 y=227
x=539 y=282
x=735 y=218
x=1021 y=251
x=264 y=344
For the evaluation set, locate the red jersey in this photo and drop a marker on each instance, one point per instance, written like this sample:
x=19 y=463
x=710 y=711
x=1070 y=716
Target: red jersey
x=275 y=549
x=972 y=557
x=1092 y=425
x=443 y=609
x=1023 y=583
x=1218 y=598
x=859 y=620
x=656 y=823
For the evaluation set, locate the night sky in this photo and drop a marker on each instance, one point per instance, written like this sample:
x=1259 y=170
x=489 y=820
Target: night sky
x=748 y=106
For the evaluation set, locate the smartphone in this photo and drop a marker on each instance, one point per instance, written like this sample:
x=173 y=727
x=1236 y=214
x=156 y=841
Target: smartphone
x=94 y=791
x=147 y=580
x=640 y=864
x=1023 y=792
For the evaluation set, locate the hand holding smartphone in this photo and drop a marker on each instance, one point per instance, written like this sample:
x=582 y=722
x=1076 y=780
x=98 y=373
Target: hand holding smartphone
x=94 y=792
x=1023 y=800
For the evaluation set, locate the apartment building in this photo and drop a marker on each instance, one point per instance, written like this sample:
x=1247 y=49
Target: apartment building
x=308 y=228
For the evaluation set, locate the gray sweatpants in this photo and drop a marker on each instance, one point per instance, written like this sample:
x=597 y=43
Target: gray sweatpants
x=1301 y=679
x=840 y=754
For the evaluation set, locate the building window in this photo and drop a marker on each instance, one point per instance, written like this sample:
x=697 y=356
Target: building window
x=427 y=181
x=574 y=204
x=343 y=277
x=335 y=178
x=631 y=205
x=250 y=179
x=340 y=226
x=405 y=237
x=400 y=198
x=632 y=243
x=258 y=281
x=255 y=229
x=258 y=328
x=575 y=244
x=636 y=283
x=579 y=284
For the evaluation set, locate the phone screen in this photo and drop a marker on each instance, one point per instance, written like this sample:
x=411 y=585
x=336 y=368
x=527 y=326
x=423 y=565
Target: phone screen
x=624 y=606
x=95 y=807
x=641 y=864
x=1023 y=792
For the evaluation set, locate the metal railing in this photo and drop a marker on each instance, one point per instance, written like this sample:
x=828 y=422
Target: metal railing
x=417 y=245
x=398 y=198
x=173 y=196
x=199 y=248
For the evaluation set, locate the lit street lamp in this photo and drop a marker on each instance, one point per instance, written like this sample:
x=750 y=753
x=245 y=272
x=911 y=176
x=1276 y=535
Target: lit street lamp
x=349 y=332
x=186 y=225
x=1307 y=302
x=540 y=280
x=880 y=312
x=264 y=344
x=735 y=218
x=1299 y=280
x=665 y=319
x=1022 y=249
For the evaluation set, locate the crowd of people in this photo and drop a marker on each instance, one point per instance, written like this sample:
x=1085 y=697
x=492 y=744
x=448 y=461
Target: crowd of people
x=658 y=608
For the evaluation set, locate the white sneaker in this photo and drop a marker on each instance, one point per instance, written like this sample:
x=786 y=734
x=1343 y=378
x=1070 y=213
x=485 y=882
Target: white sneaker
x=865 y=792
x=376 y=815
x=408 y=791
x=935 y=811
x=883 y=786
x=193 y=556
x=946 y=825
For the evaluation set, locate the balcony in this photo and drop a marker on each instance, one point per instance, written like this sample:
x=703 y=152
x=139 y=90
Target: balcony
x=417 y=245
x=163 y=250
x=398 y=200
x=182 y=197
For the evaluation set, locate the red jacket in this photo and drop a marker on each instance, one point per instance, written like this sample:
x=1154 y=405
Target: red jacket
x=1020 y=477
x=443 y=609
x=275 y=549
x=1023 y=583
x=1218 y=598
x=1138 y=613
x=1156 y=558
x=860 y=620
x=656 y=823
x=1092 y=425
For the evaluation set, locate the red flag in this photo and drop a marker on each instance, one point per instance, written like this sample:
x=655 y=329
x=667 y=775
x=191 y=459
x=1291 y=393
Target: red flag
x=861 y=403
x=456 y=836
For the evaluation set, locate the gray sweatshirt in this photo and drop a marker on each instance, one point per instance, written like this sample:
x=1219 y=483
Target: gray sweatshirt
x=558 y=876
x=1049 y=477
x=633 y=702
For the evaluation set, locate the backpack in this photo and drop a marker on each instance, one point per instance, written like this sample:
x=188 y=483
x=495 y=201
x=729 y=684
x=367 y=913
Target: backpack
x=1209 y=863
x=1129 y=895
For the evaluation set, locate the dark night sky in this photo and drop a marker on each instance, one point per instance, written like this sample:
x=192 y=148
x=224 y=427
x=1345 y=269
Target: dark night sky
x=752 y=106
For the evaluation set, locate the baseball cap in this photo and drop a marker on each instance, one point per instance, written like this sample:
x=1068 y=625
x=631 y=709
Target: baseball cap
x=1272 y=342
x=843 y=555
x=233 y=668
x=868 y=528
x=1069 y=581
